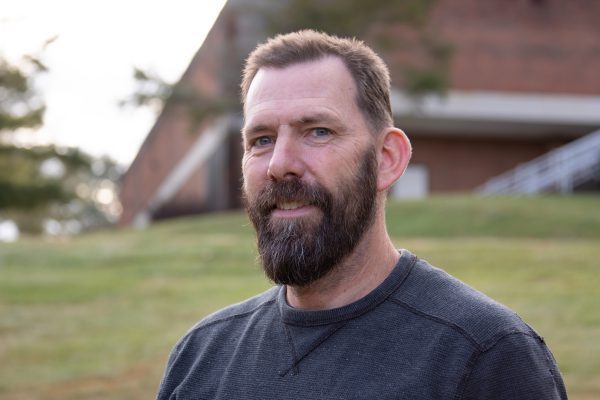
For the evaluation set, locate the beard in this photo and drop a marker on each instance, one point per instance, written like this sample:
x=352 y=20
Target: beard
x=299 y=251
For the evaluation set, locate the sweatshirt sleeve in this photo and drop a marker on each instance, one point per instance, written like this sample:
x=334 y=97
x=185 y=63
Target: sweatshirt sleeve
x=517 y=365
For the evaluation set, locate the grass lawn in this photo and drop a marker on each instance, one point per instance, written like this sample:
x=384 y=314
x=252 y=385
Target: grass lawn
x=95 y=316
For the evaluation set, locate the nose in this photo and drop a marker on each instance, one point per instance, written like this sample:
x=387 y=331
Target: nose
x=286 y=159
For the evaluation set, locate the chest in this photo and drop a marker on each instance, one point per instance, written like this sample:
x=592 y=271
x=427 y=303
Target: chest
x=344 y=361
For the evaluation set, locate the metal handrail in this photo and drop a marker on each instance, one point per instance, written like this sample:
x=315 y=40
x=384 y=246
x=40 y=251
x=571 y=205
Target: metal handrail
x=560 y=169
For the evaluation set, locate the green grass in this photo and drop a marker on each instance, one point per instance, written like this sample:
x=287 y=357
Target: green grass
x=94 y=317
x=541 y=217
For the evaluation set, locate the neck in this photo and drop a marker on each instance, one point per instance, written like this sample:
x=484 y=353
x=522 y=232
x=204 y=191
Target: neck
x=362 y=271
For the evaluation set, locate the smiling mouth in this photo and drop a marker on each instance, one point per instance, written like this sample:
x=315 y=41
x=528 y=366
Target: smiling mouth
x=292 y=209
x=291 y=205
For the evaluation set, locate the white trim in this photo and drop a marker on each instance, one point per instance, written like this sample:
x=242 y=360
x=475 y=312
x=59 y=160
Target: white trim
x=529 y=108
x=201 y=150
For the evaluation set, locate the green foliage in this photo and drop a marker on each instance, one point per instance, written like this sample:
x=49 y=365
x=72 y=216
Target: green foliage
x=49 y=183
x=151 y=90
x=94 y=316
x=20 y=105
x=41 y=183
x=154 y=92
x=375 y=21
x=29 y=196
x=422 y=81
x=23 y=185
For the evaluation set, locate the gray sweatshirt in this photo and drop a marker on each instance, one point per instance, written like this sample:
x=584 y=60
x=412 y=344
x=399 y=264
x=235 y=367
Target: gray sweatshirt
x=421 y=334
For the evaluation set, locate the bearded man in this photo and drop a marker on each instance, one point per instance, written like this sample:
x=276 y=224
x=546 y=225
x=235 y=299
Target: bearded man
x=351 y=317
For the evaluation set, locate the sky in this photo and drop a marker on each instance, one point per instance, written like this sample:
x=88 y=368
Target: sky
x=91 y=63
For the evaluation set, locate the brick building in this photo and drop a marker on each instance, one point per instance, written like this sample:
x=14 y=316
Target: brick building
x=524 y=78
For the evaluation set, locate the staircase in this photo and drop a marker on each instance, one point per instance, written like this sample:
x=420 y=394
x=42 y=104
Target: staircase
x=559 y=170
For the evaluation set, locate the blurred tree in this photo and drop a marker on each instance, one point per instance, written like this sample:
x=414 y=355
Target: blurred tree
x=24 y=183
x=44 y=183
x=392 y=27
x=20 y=107
x=153 y=91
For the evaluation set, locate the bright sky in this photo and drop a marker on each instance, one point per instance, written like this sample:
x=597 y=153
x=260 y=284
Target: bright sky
x=91 y=62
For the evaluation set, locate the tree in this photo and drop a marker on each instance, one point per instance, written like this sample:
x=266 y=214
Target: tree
x=390 y=26
x=41 y=183
x=154 y=92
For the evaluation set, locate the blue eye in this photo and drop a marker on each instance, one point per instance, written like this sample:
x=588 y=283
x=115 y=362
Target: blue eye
x=321 y=132
x=263 y=141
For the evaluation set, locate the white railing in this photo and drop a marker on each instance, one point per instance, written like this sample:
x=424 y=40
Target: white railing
x=208 y=140
x=559 y=170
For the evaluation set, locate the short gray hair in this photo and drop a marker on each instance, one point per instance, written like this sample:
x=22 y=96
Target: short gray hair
x=370 y=73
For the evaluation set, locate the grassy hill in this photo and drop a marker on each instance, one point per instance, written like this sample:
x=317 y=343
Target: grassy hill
x=94 y=317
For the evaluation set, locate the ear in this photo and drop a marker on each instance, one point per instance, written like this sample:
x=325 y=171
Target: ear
x=394 y=154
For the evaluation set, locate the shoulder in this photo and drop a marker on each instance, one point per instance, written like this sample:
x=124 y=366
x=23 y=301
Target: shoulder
x=242 y=310
x=434 y=294
x=213 y=335
x=217 y=327
x=514 y=365
x=508 y=359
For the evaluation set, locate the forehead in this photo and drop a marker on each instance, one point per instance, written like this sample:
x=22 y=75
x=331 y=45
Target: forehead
x=314 y=84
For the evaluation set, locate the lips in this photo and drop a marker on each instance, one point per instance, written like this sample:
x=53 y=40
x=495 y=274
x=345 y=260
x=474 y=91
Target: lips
x=290 y=205
x=289 y=198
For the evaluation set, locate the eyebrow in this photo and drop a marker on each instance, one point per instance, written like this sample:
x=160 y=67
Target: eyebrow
x=316 y=118
x=254 y=129
x=308 y=119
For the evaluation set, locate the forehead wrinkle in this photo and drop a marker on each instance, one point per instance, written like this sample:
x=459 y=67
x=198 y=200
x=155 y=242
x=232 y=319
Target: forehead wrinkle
x=315 y=118
x=254 y=129
x=268 y=116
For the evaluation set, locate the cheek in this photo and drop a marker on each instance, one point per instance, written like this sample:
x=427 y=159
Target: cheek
x=338 y=163
x=253 y=174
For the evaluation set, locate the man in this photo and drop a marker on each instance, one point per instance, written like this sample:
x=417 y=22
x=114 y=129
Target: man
x=352 y=317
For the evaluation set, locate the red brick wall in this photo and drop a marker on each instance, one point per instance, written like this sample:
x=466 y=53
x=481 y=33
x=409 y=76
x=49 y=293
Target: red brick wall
x=523 y=45
x=189 y=199
x=171 y=138
x=462 y=164
x=549 y=46
x=165 y=146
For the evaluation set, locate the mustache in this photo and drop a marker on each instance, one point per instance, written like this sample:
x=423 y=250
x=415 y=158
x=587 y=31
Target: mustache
x=292 y=190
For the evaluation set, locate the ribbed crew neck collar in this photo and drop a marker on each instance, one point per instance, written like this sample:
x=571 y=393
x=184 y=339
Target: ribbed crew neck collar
x=294 y=316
